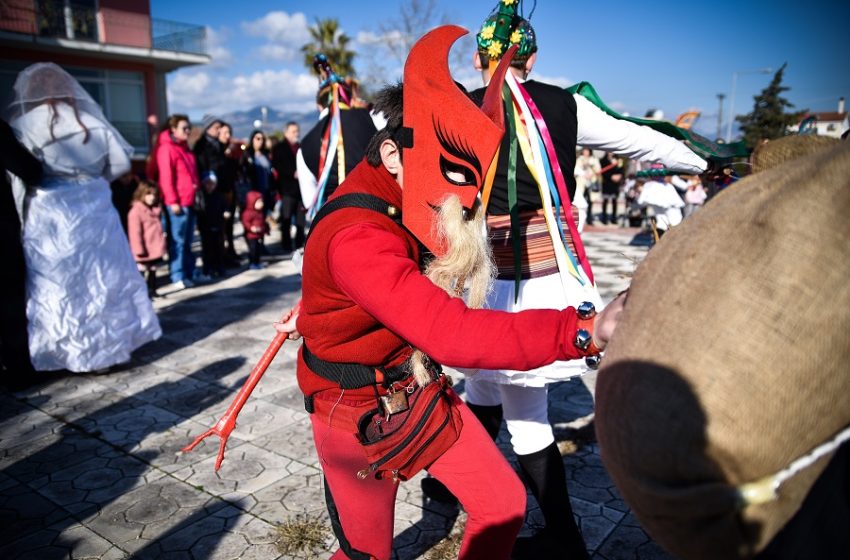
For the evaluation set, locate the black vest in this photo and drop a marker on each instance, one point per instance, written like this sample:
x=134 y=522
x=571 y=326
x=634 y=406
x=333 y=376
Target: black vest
x=558 y=109
x=357 y=130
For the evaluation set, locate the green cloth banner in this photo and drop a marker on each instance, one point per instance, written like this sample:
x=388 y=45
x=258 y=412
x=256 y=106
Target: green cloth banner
x=705 y=148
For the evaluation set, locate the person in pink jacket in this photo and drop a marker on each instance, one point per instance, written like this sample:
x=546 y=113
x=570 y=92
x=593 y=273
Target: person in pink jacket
x=144 y=228
x=178 y=182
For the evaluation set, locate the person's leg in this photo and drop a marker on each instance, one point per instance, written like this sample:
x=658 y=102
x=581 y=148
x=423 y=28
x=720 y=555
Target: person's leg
x=471 y=469
x=300 y=224
x=206 y=245
x=604 y=218
x=189 y=232
x=526 y=413
x=217 y=241
x=287 y=209
x=253 y=251
x=177 y=225
x=361 y=511
x=484 y=399
x=150 y=276
x=589 y=198
x=614 y=199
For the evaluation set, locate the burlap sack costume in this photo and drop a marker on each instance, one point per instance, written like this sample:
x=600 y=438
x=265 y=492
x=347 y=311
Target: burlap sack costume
x=732 y=359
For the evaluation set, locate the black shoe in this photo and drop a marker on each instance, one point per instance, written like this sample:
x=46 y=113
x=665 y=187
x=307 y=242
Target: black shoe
x=437 y=491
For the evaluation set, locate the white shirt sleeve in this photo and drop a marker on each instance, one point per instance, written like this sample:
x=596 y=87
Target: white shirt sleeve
x=306 y=180
x=601 y=131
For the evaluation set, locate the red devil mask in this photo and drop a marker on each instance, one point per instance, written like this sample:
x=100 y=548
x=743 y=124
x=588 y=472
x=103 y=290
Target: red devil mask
x=453 y=141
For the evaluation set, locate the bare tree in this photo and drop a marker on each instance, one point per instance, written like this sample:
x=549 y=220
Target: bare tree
x=395 y=37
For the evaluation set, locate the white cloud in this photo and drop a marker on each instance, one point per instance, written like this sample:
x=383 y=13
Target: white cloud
x=196 y=92
x=370 y=38
x=280 y=27
x=279 y=52
x=216 y=41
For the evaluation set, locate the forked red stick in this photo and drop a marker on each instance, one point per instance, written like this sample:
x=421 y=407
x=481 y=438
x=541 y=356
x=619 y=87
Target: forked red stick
x=227 y=421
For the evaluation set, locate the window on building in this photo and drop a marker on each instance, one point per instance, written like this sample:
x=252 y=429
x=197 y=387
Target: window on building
x=121 y=94
x=68 y=19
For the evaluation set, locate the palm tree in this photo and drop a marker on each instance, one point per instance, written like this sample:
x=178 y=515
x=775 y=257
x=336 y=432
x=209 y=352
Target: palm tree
x=330 y=40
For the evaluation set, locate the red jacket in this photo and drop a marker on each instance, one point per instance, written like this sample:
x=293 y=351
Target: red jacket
x=253 y=218
x=365 y=301
x=178 y=172
x=147 y=242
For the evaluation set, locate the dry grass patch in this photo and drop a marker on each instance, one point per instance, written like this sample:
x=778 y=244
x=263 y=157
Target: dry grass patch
x=303 y=536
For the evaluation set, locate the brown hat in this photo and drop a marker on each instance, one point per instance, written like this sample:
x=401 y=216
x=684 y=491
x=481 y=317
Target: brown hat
x=731 y=359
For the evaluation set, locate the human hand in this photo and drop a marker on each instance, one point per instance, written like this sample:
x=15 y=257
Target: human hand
x=607 y=319
x=287 y=323
x=176 y=209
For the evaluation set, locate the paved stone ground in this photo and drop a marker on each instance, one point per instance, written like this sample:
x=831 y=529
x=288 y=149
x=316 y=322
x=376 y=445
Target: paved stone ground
x=90 y=464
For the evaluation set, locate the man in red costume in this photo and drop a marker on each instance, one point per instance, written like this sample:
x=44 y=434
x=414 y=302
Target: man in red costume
x=375 y=319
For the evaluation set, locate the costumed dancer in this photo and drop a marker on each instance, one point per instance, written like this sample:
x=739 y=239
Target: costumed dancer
x=540 y=258
x=87 y=306
x=337 y=143
x=376 y=326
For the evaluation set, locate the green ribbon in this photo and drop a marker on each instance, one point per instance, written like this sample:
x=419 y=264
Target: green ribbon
x=702 y=146
x=512 y=199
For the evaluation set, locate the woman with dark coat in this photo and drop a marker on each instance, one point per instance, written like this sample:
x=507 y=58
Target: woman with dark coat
x=256 y=168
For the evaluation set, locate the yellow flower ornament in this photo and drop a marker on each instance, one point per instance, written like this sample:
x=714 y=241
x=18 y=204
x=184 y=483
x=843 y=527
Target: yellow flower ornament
x=495 y=49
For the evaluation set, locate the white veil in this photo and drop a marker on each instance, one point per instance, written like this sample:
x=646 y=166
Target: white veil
x=46 y=82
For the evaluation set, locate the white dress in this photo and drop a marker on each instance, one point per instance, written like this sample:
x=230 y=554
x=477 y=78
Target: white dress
x=87 y=305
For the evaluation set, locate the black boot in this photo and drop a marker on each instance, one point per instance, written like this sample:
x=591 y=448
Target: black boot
x=491 y=418
x=544 y=472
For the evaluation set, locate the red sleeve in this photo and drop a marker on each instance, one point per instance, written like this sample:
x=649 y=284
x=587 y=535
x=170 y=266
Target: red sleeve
x=372 y=267
x=167 y=183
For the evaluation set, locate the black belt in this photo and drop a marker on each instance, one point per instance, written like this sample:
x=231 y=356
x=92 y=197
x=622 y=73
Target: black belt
x=353 y=376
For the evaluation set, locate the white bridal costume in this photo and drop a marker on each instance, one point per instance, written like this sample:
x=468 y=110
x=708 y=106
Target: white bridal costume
x=87 y=305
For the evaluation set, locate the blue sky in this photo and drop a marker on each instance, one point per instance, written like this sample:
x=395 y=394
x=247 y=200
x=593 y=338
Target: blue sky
x=674 y=56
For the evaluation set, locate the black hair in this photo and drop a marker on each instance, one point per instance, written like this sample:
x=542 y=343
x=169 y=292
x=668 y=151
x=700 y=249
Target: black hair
x=390 y=102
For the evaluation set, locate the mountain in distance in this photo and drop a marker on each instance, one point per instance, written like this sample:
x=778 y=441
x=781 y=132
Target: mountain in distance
x=243 y=121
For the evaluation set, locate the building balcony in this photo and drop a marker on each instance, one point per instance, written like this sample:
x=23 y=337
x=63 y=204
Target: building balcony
x=102 y=29
x=181 y=37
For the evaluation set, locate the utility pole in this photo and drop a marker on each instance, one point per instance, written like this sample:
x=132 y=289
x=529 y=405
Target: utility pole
x=720 y=97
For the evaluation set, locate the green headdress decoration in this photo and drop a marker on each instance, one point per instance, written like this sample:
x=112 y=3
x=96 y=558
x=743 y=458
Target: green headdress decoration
x=503 y=28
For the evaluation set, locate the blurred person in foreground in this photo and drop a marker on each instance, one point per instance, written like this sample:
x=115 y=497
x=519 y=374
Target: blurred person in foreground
x=388 y=259
x=723 y=414
x=14 y=350
x=87 y=306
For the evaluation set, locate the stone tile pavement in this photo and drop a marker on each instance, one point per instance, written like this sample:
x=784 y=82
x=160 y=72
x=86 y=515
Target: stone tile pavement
x=90 y=464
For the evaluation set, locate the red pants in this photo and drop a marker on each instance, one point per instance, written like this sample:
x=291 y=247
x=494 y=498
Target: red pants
x=473 y=469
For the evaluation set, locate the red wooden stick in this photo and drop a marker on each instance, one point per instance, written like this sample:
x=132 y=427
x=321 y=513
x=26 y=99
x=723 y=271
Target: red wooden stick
x=227 y=421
